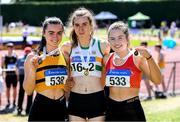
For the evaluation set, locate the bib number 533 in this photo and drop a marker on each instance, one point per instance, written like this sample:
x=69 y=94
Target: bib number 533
x=121 y=81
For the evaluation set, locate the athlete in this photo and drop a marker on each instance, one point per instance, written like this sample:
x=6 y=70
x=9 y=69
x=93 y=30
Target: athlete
x=46 y=73
x=160 y=60
x=87 y=100
x=8 y=63
x=124 y=69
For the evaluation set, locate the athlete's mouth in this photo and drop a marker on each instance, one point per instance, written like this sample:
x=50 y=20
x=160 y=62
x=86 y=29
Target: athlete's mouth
x=55 y=41
x=81 y=33
x=118 y=46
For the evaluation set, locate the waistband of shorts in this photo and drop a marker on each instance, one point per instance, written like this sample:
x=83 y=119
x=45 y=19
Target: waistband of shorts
x=44 y=98
x=126 y=101
x=89 y=94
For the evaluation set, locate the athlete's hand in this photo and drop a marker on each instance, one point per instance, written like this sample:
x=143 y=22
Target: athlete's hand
x=143 y=52
x=69 y=84
x=35 y=61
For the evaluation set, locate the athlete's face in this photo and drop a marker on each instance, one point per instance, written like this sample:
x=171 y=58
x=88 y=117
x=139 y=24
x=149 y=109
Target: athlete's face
x=82 y=27
x=10 y=49
x=53 y=34
x=118 y=40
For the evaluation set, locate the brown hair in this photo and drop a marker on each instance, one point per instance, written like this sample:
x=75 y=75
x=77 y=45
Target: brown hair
x=50 y=20
x=120 y=26
x=158 y=46
x=80 y=12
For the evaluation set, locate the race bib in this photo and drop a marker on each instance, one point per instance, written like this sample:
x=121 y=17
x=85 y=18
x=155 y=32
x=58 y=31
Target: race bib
x=11 y=66
x=82 y=66
x=55 y=76
x=118 y=78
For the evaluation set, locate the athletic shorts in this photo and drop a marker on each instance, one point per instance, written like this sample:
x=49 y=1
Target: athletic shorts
x=128 y=110
x=45 y=109
x=11 y=79
x=87 y=105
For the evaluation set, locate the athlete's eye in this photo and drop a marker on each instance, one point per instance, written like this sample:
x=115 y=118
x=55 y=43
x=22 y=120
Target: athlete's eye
x=60 y=32
x=51 y=33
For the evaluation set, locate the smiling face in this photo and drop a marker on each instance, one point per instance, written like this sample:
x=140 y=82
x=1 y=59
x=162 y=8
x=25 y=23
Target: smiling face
x=53 y=34
x=118 y=40
x=82 y=27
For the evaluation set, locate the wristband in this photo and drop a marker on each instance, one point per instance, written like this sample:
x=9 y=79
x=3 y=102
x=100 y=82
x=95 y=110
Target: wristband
x=149 y=57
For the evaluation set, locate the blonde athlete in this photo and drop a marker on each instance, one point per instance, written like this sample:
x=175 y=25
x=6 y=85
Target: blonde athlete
x=46 y=73
x=124 y=68
x=87 y=100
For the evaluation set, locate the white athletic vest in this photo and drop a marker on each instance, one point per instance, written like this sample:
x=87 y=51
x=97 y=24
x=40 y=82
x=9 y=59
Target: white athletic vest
x=85 y=67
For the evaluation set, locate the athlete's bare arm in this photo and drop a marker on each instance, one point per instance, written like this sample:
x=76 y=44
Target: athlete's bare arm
x=66 y=49
x=30 y=74
x=149 y=66
x=3 y=66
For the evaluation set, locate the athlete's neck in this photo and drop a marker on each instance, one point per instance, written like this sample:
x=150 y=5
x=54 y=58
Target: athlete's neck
x=50 y=48
x=84 y=42
x=123 y=54
x=10 y=53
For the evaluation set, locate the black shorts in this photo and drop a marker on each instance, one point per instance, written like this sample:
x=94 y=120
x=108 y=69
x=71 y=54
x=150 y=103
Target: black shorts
x=11 y=79
x=128 y=110
x=45 y=109
x=87 y=105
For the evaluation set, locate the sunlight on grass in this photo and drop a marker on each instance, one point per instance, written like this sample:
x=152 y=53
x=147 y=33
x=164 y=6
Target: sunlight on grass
x=12 y=118
x=165 y=116
x=162 y=110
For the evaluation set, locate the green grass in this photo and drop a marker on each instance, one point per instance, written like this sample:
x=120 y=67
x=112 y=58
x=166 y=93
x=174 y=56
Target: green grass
x=12 y=118
x=167 y=116
x=162 y=110
x=100 y=33
x=137 y=43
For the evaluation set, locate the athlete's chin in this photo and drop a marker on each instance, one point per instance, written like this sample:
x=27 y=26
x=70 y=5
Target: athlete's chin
x=81 y=37
x=117 y=49
x=55 y=45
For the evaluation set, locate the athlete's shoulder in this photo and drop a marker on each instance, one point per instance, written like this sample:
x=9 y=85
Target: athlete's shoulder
x=66 y=47
x=106 y=58
x=105 y=47
x=67 y=44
